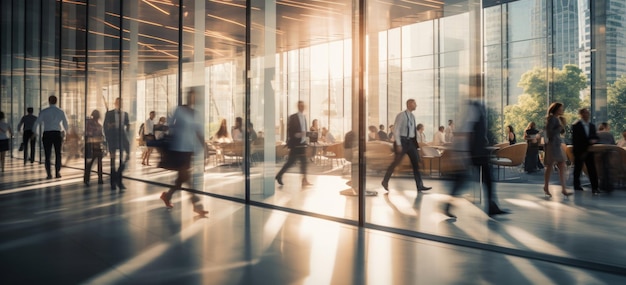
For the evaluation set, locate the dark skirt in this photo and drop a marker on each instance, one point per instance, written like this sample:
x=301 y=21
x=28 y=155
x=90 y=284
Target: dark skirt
x=4 y=145
x=174 y=160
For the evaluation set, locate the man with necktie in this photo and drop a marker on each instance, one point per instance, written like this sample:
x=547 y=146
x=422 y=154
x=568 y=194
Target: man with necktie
x=54 y=121
x=115 y=130
x=28 y=136
x=296 y=142
x=406 y=143
x=583 y=136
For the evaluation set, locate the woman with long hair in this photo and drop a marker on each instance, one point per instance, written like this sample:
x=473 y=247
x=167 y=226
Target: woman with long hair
x=555 y=127
x=222 y=135
x=532 y=137
x=511 y=135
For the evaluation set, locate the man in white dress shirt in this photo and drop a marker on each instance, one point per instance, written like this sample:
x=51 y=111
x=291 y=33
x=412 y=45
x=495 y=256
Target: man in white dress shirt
x=406 y=143
x=54 y=121
x=439 y=137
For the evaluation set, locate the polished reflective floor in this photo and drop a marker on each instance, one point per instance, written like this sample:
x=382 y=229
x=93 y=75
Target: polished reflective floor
x=62 y=232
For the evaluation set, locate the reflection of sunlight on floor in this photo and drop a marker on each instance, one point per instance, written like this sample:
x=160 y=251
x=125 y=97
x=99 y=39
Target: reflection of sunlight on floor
x=533 y=242
x=379 y=260
x=523 y=203
x=49 y=184
x=530 y=269
x=323 y=250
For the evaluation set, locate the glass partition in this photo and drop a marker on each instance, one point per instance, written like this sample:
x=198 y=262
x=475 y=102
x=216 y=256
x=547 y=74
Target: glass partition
x=300 y=64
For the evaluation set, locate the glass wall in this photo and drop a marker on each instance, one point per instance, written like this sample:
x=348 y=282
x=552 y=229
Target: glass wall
x=282 y=82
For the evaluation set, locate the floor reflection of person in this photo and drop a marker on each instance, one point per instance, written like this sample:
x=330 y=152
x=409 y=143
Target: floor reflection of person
x=185 y=131
x=28 y=136
x=472 y=139
x=94 y=138
x=116 y=127
x=54 y=121
x=406 y=143
x=296 y=142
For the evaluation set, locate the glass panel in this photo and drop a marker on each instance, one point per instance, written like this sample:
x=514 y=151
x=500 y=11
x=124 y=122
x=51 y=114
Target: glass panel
x=149 y=81
x=72 y=97
x=305 y=61
x=103 y=80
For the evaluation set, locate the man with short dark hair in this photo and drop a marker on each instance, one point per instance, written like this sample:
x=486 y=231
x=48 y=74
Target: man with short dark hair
x=382 y=135
x=296 y=142
x=54 y=121
x=115 y=130
x=583 y=136
x=28 y=136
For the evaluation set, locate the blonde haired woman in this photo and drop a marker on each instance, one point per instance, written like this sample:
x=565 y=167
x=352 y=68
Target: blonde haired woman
x=554 y=153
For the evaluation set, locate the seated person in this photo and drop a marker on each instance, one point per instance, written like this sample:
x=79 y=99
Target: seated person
x=382 y=135
x=327 y=137
x=604 y=134
x=439 y=137
x=421 y=137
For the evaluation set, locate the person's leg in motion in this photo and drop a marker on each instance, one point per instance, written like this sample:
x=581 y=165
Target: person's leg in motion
x=47 y=148
x=58 y=142
x=397 y=159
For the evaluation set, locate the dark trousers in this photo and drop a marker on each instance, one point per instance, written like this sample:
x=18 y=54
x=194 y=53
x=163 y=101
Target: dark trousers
x=461 y=177
x=49 y=139
x=409 y=147
x=29 y=140
x=296 y=153
x=586 y=158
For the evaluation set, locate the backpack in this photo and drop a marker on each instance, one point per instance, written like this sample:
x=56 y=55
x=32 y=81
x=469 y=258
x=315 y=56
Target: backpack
x=141 y=130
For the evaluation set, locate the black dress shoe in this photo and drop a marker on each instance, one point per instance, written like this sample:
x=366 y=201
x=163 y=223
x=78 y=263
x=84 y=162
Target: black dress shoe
x=279 y=180
x=579 y=188
x=596 y=192
x=424 y=188
x=498 y=212
x=49 y=177
x=58 y=175
x=100 y=182
x=385 y=185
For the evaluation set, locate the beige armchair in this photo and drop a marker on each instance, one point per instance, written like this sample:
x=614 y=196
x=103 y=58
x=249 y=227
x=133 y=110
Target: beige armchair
x=510 y=156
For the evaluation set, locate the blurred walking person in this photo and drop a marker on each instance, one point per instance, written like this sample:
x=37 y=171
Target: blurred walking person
x=472 y=140
x=28 y=135
x=296 y=142
x=93 y=148
x=185 y=131
x=54 y=121
x=115 y=131
x=148 y=135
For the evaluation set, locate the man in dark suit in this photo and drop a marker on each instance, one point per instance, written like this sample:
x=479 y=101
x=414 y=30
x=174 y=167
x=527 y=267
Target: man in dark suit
x=115 y=130
x=296 y=142
x=584 y=135
x=472 y=140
